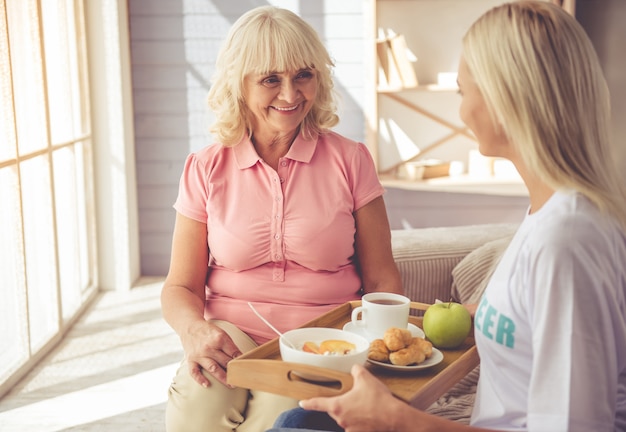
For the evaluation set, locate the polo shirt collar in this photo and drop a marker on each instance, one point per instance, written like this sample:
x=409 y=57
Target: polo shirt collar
x=245 y=154
x=301 y=150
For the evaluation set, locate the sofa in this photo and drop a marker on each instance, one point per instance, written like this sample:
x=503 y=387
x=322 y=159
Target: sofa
x=446 y=263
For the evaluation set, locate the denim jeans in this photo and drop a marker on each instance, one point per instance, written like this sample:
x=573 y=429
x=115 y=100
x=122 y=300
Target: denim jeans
x=301 y=420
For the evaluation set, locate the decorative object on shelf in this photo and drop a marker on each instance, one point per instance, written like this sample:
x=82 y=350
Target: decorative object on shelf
x=491 y=167
x=447 y=80
x=479 y=166
x=426 y=169
x=395 y=70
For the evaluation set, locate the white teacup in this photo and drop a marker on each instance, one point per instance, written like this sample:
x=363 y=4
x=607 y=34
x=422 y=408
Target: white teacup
x=380 y=310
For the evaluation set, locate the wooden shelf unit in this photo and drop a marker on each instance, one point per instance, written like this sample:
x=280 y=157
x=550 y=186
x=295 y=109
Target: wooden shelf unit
x=411 y=124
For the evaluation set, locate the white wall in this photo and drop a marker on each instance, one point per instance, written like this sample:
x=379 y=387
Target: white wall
x=408 y=208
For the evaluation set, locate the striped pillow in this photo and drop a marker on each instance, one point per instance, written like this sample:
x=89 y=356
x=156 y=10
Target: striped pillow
x=470 y=276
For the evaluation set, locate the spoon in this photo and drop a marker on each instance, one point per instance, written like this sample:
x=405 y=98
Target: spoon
x=271 y=326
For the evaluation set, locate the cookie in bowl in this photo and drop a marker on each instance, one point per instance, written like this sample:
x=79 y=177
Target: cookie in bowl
x=324 y=347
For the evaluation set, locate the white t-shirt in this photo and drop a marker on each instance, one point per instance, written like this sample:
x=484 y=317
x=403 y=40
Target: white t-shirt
x=551 y=326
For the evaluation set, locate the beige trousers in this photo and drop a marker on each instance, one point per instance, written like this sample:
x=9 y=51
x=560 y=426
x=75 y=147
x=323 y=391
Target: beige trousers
x=193 y=408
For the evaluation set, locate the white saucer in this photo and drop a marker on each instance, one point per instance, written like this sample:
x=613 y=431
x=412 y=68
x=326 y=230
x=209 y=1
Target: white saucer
x=434 y=359
x=415 y=331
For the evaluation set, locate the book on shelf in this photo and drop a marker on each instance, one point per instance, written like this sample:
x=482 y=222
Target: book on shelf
x=388 y=72
x=401 y=55
x=395 y=70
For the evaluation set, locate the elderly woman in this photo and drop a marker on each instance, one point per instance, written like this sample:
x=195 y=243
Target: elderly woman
x=281 y=212
x=551 y=325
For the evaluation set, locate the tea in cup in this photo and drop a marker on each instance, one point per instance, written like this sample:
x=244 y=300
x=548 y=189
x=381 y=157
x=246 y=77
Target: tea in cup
x=381 y=310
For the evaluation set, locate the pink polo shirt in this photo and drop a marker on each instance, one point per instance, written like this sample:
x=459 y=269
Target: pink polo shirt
x=283 y=240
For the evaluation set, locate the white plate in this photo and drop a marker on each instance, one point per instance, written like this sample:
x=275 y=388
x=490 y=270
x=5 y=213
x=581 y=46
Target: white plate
x=434 y=359
x=415 y=331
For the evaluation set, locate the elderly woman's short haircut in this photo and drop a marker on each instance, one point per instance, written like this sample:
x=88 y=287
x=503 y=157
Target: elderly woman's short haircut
x=268 y=39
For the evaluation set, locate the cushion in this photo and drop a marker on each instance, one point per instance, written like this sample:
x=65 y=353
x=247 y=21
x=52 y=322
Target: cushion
x=458 y=402
x=471 y=274
x=426 y=256
x=469 y=280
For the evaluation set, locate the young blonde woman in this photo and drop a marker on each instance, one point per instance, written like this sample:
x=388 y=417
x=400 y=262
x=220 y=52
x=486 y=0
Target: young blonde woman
x=281 y=212
x=551 y=325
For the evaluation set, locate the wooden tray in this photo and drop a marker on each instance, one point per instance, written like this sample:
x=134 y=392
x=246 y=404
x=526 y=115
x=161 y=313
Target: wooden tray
x=262 y=368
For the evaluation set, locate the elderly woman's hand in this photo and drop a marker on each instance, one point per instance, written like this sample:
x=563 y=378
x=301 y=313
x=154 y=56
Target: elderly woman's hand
x=209 y=348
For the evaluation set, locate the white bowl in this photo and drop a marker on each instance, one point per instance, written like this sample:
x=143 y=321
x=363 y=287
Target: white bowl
x=341 y=363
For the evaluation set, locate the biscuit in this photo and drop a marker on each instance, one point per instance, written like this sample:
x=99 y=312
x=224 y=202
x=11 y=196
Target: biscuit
x=378 y=351
x=396 y=338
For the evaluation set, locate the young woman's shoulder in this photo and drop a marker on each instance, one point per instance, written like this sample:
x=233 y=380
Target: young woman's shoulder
x=572 y=222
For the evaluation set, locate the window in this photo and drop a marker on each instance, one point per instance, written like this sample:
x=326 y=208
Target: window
x=47 y=222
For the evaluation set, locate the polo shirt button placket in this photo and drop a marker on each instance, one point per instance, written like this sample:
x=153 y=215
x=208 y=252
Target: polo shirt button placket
x=277 y=243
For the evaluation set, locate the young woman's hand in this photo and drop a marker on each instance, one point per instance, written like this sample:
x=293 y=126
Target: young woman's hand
x=471 y=308
x=366 y=407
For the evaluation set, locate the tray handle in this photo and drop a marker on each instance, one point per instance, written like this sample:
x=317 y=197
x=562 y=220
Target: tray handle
x=419 y=306
x=285 y=378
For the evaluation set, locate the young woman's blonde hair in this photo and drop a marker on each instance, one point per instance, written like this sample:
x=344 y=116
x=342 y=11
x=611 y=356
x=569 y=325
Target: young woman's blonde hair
x=268 y=39
x=543 y=85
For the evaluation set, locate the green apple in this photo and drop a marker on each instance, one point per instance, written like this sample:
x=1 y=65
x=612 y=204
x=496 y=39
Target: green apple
x=447 y=325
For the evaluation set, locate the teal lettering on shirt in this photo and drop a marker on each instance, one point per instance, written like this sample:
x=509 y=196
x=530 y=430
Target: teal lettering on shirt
x=506 y=329
x=480 y=311
x=487 y=319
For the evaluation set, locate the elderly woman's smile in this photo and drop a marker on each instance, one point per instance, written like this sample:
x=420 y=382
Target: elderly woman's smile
x=279 y=101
